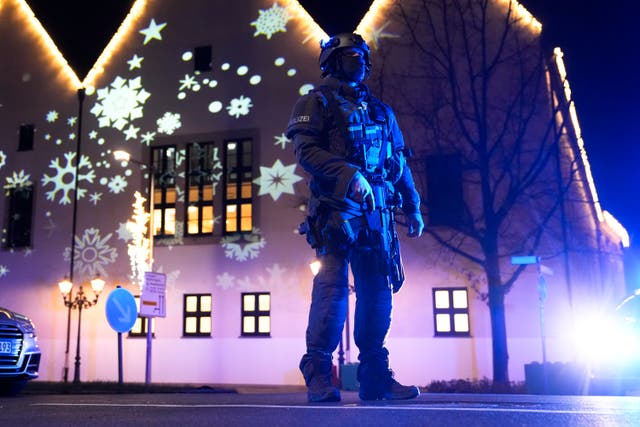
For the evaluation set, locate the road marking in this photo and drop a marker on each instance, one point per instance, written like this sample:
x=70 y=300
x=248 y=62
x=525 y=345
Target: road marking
x=619 y=411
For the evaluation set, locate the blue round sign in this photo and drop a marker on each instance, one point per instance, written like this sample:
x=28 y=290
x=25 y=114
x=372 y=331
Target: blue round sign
x=121 y=309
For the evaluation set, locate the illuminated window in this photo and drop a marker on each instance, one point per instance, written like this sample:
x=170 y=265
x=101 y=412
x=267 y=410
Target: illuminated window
x=164 y=194
x=142 y=324
x=197 y=315
x=20 y=217
x=201 y=170
x=256 y=314
x=186 y=176
x=238 y=213
x=451 y=312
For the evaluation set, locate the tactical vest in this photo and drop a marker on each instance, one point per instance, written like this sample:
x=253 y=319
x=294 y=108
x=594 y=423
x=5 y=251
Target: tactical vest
x=364 y=128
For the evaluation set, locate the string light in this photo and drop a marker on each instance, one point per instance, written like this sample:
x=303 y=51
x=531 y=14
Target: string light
x=55 y=57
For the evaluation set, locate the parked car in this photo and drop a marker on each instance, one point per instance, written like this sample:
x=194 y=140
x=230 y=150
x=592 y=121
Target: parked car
x=19 y=351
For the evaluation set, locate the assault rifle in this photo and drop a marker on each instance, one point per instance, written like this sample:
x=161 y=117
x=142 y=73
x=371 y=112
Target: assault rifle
x=382 y=220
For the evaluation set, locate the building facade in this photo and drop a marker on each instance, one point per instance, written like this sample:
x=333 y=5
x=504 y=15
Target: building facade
x=200 y=96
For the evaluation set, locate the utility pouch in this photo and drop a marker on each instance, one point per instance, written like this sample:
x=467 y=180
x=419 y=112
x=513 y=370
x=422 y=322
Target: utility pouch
x=308 y=229
x=397 y=268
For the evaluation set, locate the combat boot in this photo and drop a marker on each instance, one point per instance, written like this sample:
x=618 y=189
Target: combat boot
x=379 y=384
x=317 y=376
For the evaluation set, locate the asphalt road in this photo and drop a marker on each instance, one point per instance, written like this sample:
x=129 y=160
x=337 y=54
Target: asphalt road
x=291 y=409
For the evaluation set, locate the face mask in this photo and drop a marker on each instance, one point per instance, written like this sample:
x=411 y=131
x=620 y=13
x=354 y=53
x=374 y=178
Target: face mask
x=353 y=67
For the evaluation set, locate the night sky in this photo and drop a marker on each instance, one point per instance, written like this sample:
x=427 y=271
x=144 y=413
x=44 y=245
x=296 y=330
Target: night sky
x=600 y=41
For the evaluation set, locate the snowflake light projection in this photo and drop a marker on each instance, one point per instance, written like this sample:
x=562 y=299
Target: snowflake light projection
x=216 y=167
x=281 y=140
x=120 y=103
x=225 y=281
x=152 y=32
x=95 y=197
x=277 y=180
x=3 y=270
x=271 y=277
x=117 y=184
x=92 y=253
x=239 y=106
x=241 y=247
x=271 y=21
x=64 y=179
x=189 y=82
x=123 y=232
x=147 y=138
x=3 y=159
x=52 y=116
x=169 y=123
x=131 y=132
x=18 y=180
x=135 y=62
x=275 y=276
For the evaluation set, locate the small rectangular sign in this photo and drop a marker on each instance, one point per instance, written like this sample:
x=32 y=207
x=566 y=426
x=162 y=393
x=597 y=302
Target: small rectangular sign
x=546 y=270
x=523 y=260
x=153 y=298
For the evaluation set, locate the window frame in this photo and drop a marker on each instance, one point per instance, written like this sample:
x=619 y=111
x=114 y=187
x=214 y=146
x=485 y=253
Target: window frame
x=198 y=315
x=450 y=311
x=206 y=181
x=219 y=140
x=256 y=314
x=237 y=184
x=163 y=167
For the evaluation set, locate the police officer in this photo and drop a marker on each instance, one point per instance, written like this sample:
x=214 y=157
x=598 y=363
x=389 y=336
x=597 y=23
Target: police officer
x=351 y=145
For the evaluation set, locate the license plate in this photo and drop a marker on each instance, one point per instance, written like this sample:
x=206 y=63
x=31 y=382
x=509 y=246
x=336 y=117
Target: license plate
x=5 y=347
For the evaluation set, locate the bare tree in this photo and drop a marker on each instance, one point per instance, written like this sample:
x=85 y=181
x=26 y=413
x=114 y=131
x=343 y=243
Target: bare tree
x=468 y=77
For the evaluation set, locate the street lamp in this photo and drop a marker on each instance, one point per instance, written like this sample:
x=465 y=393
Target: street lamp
x=69 y=279
x=79 y=302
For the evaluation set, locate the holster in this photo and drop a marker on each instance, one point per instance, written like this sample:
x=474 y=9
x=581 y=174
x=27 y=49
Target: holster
x=328 y=235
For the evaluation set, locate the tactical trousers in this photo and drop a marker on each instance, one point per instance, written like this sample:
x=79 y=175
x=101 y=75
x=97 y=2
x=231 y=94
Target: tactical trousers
x=329 y=309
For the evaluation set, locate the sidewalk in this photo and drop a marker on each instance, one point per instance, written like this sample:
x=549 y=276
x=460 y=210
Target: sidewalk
x=101 y=387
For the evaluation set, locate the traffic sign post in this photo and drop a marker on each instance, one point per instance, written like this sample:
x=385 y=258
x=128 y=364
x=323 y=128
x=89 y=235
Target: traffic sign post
x=122 y=313
x=153 y=298
x=121 y=310
x=152 y=304
x=542 y=296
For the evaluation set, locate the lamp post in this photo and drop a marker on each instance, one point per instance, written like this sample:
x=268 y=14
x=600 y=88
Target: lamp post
x=126 y=157
x=69 y=278
x=79 y=301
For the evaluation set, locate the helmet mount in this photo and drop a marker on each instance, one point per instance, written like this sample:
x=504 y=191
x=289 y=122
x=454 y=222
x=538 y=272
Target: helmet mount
x=328 y=49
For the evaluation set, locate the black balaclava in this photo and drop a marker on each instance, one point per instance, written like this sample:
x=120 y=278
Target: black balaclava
x=351 y=65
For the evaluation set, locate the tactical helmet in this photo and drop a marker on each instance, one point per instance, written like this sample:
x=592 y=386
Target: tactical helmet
x=340 y=41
